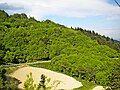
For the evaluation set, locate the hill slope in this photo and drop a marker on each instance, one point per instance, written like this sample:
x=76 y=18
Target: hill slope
x=102 y=40
x=24 y=39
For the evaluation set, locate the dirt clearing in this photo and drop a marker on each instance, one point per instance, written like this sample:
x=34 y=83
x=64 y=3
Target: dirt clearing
x=67 y=82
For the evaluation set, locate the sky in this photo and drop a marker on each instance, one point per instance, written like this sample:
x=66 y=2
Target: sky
x=101 y=16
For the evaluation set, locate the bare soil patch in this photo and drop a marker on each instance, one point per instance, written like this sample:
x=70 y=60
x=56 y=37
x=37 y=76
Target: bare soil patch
x=67 y=82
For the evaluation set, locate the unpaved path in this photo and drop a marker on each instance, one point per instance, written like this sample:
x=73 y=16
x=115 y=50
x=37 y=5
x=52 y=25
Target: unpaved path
x=98 y=88
x=12 y=65
x=67 y=83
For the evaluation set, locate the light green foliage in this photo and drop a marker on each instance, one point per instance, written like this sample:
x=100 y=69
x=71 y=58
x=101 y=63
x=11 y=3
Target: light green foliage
x=102 y=40
x=1 y=82
x=29 y=83
x=92 y=66
x=47 y=85
x=24 y=39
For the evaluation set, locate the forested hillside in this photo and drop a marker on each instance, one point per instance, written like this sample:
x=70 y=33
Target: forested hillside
x=24 y=39
x=102 y=40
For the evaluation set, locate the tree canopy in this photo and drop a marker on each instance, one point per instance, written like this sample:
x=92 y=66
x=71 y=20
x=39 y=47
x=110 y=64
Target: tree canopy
x=72 y=52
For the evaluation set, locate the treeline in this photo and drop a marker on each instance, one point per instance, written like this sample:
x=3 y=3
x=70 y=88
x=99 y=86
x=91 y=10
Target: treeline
x=24 y=39
x=102 y=40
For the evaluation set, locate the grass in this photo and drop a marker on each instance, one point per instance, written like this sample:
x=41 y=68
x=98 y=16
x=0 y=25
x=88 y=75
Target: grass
x=41 y=65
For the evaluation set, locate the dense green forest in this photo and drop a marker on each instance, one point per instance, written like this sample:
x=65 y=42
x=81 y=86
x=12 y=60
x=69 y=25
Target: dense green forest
x=102 y=40
x=71 y=51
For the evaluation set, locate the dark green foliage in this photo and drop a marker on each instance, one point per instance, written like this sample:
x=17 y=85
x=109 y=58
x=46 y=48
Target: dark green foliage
x=24 y=39
x=11 y=85
x=7 y=83
x=115 y=80
x=3 y=15
x=20 y=16
x=42 y=82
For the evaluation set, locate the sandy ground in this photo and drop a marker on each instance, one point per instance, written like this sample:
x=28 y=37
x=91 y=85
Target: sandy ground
x=98 y=88
x=67 y=83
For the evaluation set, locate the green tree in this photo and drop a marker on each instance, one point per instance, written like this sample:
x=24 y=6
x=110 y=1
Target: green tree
x=3 y=15
x=115 y=80
x=29 y=83
x=43 y=85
